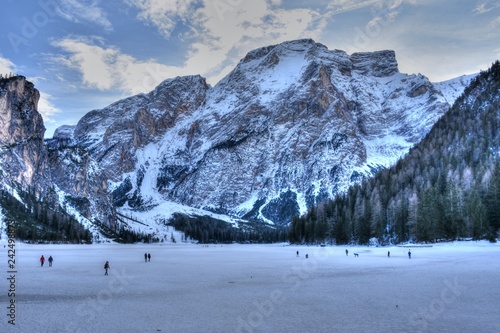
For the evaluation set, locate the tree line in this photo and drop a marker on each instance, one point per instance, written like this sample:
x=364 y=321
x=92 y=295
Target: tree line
x=8 y=76
x=37 y=221
x=446 y=188
x=206 y=229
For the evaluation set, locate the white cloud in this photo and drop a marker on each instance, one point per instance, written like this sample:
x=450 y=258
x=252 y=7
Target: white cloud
x=84 y=11
x=495 y=24
x=45 y=105
x=47 y=108
x=342 y=6
x=107 y=68
x=6 y=66
x=165 y=15
x=221 y=33
x=384 y=13
x=91 y=60
x=487 y=6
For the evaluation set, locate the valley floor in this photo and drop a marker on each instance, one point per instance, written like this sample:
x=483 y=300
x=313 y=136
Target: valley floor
x=453 y=287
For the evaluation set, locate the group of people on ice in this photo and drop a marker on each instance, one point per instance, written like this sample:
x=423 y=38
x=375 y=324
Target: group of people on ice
x=147 y=257
x=355 y=254
x=42 y=260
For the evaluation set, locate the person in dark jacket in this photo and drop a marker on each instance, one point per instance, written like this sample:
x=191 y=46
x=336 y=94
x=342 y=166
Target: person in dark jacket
x=106 y=267
x=149 y=256
x=145 y=257
x=50 y=261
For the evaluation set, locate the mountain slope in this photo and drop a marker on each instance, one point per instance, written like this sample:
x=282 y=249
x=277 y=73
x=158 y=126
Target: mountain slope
x=28 y=198
x=291 y=125
x=446 y=188
x=453 y=88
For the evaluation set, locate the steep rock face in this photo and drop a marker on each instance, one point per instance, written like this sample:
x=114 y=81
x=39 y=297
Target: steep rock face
x=292 y=124
x=378 y=64
x=112 y=135
x=57 y=172
x=80 y=179
x=102 y=146
x=23 y=157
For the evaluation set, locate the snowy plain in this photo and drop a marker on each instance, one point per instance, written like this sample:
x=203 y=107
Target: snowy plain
x=450 y=287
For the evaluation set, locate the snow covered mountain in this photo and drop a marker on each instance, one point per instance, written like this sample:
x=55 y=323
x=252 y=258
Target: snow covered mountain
x=452 y=89
x=291 y=125
x=30 y=172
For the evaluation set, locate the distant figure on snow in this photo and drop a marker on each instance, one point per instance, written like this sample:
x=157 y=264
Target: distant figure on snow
x=346 y=252
x=50 y=261
x=42 y=260
x=388 y=254
x=307 y=256
x=409 y=254
x=149 y=256
x=145 y=257
x=106 y=267
x=297 y=253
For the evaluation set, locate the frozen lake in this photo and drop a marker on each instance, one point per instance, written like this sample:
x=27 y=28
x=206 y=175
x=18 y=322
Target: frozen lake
x=451 y=287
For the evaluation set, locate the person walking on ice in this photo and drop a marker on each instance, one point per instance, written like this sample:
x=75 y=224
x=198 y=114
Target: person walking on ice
x=297 y=253
x=50 y=261
x=106 y=267
x=42 y=260
x=149 y=256
x=346 y=252
x=145 y=257
x=409 y=254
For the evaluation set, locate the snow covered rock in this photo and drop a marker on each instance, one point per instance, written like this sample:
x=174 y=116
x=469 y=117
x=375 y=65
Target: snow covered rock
x=291 y=125
x=112 y=135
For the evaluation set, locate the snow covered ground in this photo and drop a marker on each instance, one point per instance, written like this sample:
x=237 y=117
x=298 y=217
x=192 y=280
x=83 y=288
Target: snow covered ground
x=453 y=287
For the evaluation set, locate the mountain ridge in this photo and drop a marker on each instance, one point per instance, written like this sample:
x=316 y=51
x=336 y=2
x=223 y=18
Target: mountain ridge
x=446 y=188
x=293 y=124
x=281 y=85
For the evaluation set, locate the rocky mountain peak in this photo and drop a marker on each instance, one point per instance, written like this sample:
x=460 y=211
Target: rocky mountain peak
x=293 y=124
x=299 y=45
x=378 y=63
x=113 y=134
x=22 y=151
x=64 y=132
x=19 y=118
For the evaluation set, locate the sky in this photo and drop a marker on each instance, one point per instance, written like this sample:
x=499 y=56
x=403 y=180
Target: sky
x=86 y=54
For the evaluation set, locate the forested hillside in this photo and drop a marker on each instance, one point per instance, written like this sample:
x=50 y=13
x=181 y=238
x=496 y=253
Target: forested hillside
x=39 y=222
x=447 y=187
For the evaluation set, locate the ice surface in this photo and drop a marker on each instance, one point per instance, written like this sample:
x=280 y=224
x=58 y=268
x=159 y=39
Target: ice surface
x=254 y=288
